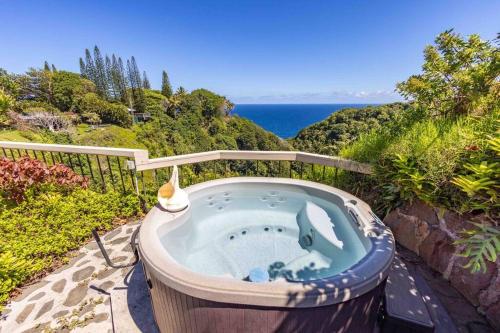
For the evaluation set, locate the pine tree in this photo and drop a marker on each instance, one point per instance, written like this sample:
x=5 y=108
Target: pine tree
x=100 y=74
x=54 y=69
x=123 y=83
x=83 y=70
x=109 y=79
x=90 y=67
x=46 y=66
x=132 y=84
x=139 y=102
x=115 y=78
x=145 y=81
x=166 y=88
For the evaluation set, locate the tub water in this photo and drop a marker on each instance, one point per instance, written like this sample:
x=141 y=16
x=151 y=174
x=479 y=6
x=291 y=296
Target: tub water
x=232 y=231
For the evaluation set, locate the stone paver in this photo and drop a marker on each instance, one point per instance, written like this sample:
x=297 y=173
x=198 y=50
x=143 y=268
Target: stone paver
x=77 y=297
x=83 y=273
x=59 y=286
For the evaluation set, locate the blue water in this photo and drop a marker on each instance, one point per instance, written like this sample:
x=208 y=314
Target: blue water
x=234 y=229
x=286 y=120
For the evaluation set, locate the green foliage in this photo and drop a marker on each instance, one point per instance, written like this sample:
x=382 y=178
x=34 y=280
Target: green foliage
x=6 y=102
x=156 y=103
x=445 y=149
x=110 y=113
x=36 y=85
x=67 y=88
x=345 y=126
x=480 y=182
x=43 y=228
x=8 y=83
x=91 y=118
x=211 y=104
x=27 y=107
x=480 y=243
x=109 y=136
x=459 y=77
x=166 y=88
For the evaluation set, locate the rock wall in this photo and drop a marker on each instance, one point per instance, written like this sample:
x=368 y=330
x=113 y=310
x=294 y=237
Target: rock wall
x=430 y=232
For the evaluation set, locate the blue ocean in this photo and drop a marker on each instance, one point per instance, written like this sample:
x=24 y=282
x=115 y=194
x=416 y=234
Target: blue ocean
x=286 y=120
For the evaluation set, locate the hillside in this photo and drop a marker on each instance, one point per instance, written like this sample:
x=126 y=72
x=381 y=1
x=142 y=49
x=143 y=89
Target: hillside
x=46 y=105
x=341 y=128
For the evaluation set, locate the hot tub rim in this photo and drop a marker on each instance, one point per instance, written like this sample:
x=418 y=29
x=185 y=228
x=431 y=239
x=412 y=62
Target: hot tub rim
x=361 y=278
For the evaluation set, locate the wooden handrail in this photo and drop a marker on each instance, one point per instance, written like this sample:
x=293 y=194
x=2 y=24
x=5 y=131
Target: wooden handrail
x=143 y=162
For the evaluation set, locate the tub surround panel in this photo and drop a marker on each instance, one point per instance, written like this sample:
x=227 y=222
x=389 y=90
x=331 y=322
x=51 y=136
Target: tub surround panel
x=177 y=312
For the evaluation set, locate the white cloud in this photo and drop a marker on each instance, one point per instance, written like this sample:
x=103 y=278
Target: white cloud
x=379 y=96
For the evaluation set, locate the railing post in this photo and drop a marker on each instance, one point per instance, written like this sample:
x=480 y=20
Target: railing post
x=133 y=175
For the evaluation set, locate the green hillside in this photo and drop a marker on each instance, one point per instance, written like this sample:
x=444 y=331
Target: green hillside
x=341 y=128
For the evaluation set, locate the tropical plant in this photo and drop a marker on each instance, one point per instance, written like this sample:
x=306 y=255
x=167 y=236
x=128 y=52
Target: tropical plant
x=480 y=243
x=16 y=177
x=459 y=76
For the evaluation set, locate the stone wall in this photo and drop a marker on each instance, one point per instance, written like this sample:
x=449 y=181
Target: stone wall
x=430 y=232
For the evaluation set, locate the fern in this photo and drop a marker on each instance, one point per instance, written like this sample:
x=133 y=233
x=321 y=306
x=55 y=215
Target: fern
x=482 y=243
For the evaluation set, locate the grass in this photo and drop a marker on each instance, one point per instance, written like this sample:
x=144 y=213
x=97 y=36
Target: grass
x=108 y=136
x=425 y=155
x=20 y=136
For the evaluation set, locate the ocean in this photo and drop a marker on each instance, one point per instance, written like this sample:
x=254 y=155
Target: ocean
x=286 y=120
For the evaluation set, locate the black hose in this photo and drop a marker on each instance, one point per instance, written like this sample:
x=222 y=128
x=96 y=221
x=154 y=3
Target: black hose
x=106 y=256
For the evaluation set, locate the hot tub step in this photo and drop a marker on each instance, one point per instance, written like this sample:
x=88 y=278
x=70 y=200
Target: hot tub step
x=410 y=303
x=405 y=309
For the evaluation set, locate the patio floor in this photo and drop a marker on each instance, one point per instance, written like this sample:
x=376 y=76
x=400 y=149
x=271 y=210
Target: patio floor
x=87 y=296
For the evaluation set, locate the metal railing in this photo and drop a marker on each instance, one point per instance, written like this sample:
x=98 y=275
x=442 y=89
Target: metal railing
x=132 y=169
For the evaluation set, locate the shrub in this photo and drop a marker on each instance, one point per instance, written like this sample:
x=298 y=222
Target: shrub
x=155 y=103
x=47 y=224
x=16 y=177
x=111 y=113
x=6 y=104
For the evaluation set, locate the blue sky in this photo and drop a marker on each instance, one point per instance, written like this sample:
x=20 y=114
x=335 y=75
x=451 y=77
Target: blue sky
x=252 y=51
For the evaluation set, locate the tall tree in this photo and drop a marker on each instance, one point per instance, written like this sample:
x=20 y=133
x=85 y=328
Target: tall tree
x=115 y=78
x=110 y=83
x=166 y=88
x=459 y=76
x=90 y=67
x=54 y=69
x=132 y=83
x=123 y=83
x=46 y=66
x=100 y=74
x=83 y=70
x=145 y=81
x=139 y=102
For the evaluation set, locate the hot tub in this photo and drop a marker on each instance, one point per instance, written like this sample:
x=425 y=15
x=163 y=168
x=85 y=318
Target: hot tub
x=266 y=255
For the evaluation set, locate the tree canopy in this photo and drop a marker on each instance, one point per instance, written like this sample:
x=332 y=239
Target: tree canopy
x=459 y=76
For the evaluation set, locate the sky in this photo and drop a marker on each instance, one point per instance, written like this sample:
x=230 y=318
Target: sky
x=252 y=51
